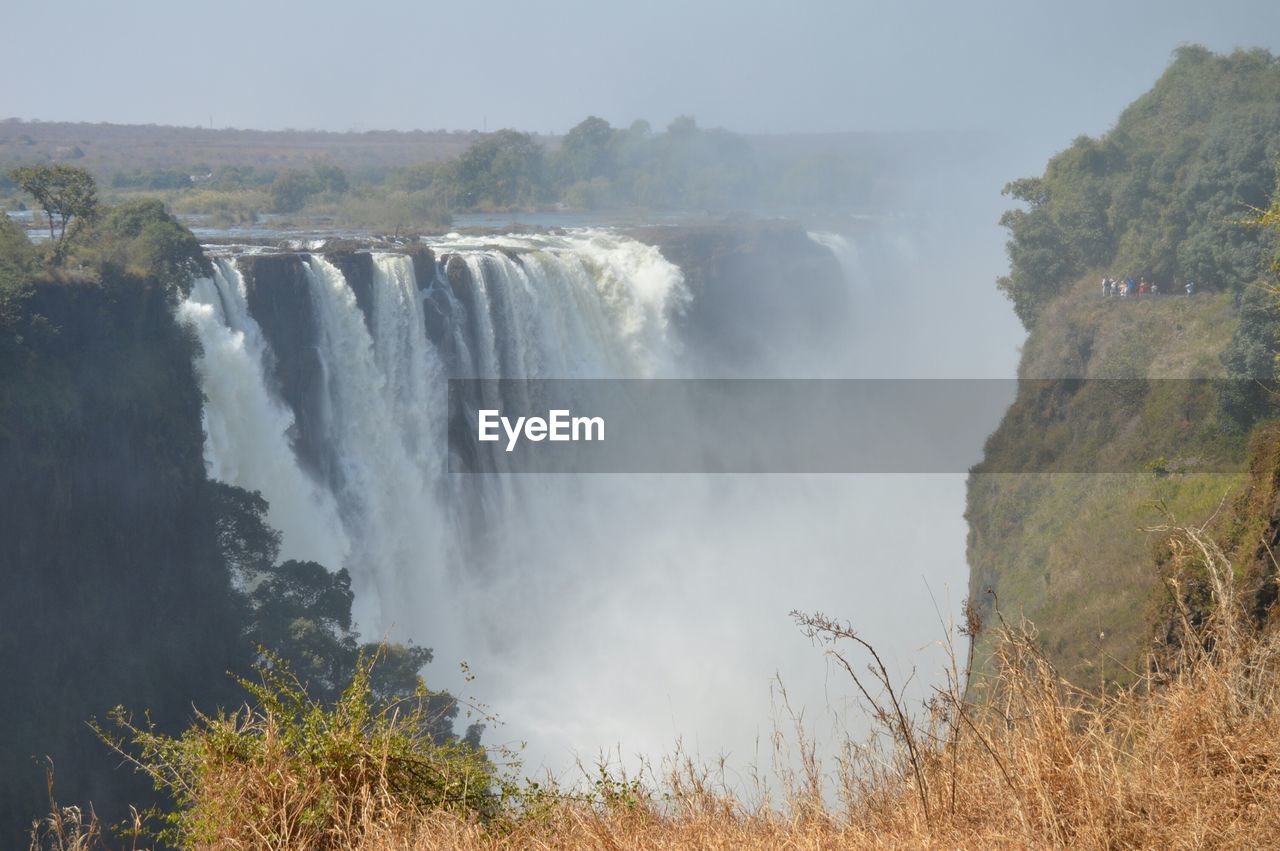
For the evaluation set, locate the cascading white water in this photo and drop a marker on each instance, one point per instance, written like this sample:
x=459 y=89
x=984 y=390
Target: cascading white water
x=589 y=305
x=414 y=374
x=571 y=555
x=592 y=304
x=847 y=253
x=247 y=427
x=606 y=610
x=383 y=489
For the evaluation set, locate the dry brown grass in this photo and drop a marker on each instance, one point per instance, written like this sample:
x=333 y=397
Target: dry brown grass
x=1189 y=757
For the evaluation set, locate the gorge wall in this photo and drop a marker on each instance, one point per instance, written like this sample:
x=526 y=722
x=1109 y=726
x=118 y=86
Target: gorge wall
x=115 y=593
x=1069 y=544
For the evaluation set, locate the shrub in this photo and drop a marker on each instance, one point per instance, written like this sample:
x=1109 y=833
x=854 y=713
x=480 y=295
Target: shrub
x=290 y=191
x=142 y=237
x=286 y=771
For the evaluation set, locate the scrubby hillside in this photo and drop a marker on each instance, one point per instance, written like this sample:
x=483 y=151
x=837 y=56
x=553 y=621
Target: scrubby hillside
x=1068 y=549
x=1173 y=382
x=1161 y=194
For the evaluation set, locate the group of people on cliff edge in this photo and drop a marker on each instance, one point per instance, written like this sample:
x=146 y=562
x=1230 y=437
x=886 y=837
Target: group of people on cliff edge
x=1125 y=287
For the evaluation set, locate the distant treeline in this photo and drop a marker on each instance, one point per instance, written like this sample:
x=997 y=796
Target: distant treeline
x=601 y=166
x=594 y=166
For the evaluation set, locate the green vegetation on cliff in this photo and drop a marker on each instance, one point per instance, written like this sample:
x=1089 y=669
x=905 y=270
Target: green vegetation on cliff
x=131 y=578
x=114 y=589
x=1166 y=195
x=1162 y=193
x=1068 y=549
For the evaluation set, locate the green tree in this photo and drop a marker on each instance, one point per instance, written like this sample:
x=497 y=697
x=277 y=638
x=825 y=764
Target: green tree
x=232 y=177
x=501 y=170
x=143 y=237
x=17 y=254
x=17 y=262
x=682 y=126
x=64 y=192
x=300 y=612
x=416 y=178
x=291 y=190
x=587 y=151
x=1253 y=357
x=331 y=178
x=249 y=546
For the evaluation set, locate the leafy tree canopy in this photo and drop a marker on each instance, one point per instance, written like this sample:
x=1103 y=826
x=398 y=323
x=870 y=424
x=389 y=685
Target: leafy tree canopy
x=503 y=169
x=1163 y=193
x=587 y=151
x=18 y=260
x=290 y=191
x=64 y=192
x=300 y=612
x=142 y=237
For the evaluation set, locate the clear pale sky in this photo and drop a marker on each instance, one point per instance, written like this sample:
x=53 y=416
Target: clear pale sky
x=1033 y=68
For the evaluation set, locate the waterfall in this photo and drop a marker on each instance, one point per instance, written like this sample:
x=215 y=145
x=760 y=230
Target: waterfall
x=375 y=402
x=596 y=610
x=850 y=259
x=247 y=427
x=414 y=373
x=588 y=304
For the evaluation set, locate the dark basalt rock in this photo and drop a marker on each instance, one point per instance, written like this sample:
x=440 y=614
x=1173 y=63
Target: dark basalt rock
x=438 y=320
x=115 y=592
x=277 y=291
x=424 y=264
x=357 y=267
x=455 y=269
x=463 y=287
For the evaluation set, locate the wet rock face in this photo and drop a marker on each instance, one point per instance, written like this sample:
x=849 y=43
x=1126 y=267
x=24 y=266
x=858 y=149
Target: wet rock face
x=113 y=577
x=463 y=287
x=357 y=268
x=455 y=269
x=277 y=291
x=437 y=320
x=424 y=265
x=759 y=290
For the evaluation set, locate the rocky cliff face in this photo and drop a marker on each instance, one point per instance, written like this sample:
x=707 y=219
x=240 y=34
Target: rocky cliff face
x=1070 y=550
x=114 y=590
x=276 y=289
